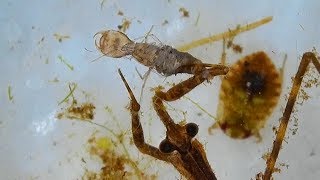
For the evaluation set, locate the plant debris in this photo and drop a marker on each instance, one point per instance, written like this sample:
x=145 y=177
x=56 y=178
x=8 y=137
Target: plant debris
x=46 y=61
x=197 y=20
x=225 y=35
x=55 y=80
x=120 y=13
x=116 y=165
x=125 y=25
x=113 y=163
x=165 y=22
x=102 y=4
x=60 y=37
x=114 y=154
x=83 y=111
x=10 y=96
x=184 y=12
x=70 y=93
x=65 y=62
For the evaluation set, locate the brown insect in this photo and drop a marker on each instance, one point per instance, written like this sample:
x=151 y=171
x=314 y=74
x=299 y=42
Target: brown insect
x=180 y=148
x=249 y=92
x=164 y=59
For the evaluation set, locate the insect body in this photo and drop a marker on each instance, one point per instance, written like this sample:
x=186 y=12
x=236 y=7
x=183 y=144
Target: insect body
x=249 y=93
x=179 y=148
x=164 y=59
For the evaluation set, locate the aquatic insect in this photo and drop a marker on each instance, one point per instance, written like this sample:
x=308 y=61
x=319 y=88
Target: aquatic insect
x=164 y=59
x=248 y=95
x=180 y=148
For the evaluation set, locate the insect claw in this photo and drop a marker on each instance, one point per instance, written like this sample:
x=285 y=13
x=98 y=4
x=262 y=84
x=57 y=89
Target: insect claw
x=134 y=103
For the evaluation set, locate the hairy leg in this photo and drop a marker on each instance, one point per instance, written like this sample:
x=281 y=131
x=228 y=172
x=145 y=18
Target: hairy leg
x=306 y=59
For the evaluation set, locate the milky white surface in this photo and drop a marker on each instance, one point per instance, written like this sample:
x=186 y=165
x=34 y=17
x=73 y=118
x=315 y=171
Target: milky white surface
x=34 y=144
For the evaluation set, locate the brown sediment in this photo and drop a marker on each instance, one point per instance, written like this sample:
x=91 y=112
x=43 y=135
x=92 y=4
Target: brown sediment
x=120 y=13
x=83 y=111
x=184 y=12
x=115 y=165
x=235 y=47
x=125 y=25
x=60 y=37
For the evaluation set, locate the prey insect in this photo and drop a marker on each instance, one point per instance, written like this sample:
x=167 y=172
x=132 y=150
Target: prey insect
x=180 y=147
x=249 y=93
x=164 y=59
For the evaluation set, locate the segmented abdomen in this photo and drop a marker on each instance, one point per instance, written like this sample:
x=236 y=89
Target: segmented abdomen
x=249 y=93
x=165 y=59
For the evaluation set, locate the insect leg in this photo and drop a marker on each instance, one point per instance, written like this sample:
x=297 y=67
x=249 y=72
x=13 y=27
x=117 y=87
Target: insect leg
x=186 y=86
x=306 y=59
x=137 y=131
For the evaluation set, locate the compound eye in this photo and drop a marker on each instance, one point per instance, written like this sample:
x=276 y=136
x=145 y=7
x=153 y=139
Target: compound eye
x=192 y=129
x=166 y=147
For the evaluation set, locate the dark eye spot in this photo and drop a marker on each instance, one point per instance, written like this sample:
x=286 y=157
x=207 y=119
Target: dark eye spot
x=192 y=129
x=254 y=82
x=166 y=147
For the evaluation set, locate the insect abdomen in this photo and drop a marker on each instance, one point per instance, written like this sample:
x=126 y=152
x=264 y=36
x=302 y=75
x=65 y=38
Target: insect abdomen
x=249 y=93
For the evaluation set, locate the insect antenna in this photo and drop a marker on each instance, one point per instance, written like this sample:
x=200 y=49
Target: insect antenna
x=97 y=58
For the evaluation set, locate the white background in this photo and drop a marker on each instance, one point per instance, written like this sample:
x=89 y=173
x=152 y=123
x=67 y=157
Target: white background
x=29 y=129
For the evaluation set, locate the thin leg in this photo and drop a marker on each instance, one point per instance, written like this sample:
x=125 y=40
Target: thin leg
x=144 y=78
x=306 y=59
x=186 y=86
x=137 y=131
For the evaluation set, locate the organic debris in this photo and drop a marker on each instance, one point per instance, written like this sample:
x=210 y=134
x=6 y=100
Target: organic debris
x=125 y=25
x=184 y=12
x=64 y=61
x=60 y=37
x=83 y=111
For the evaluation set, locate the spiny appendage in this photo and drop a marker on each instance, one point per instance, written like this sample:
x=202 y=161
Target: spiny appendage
x=249 y=93
x=179 y=90
x=113 y=43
